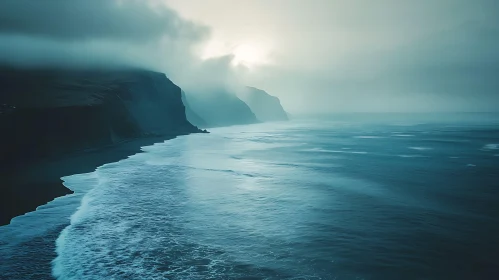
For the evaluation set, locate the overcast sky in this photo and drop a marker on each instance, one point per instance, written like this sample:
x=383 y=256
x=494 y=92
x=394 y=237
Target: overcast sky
x=316 y=55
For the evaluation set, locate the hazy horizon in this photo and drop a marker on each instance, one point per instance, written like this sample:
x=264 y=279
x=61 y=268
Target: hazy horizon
x=286 y=139
x=318 y=57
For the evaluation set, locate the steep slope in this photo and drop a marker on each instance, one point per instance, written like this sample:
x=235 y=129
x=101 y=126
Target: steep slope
x=265 y=106
x=58 y=123
x=192 y=116
x=54 y=112
x=221 y=108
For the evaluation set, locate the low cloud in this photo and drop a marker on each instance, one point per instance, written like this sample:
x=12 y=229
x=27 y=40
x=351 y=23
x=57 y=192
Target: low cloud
x=109 y=34
x=450 y=70
x=124 y=20
x=387 y=56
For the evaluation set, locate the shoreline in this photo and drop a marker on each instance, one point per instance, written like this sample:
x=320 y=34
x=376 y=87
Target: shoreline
x=24 y=189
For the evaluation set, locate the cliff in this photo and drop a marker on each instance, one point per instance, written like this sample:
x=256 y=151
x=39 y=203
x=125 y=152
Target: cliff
x=265 y=106
x=46 y=115
x=55 y=112
x=192 y=116
x=221 y=108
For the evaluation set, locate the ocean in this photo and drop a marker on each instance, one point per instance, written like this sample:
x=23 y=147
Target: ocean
x=348 y=197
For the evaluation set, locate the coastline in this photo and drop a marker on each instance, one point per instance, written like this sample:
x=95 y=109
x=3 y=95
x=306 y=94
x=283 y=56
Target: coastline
x=45 y=177
x=24 y=189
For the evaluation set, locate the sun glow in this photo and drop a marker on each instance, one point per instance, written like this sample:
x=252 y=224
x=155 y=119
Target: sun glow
x=247 y=55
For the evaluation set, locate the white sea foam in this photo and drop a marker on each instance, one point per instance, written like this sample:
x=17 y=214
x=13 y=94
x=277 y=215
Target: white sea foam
x=135 y=222
x=30 y=234
x=36 y=223
x=368 y=137
x=102 y=225
x=403 y=135
x=198 y=206
x=44 y=218
x=491 y=147
x=343 y=151
x=412 y=156
x=421 y=148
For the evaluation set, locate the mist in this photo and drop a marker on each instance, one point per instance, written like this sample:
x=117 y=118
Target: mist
x=364 y=56
x=109 y=34
x=317 y=56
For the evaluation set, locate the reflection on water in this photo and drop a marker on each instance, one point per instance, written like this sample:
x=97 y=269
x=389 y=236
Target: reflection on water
x=298 y=200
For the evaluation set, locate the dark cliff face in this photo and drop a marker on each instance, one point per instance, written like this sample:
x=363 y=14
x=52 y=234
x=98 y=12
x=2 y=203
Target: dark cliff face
x=192 y=116
x=221 y=108
x=59 y=123
x=47 y=113
x=265 y=106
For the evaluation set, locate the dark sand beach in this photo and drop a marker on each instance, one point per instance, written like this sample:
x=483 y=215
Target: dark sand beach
x=27 y=186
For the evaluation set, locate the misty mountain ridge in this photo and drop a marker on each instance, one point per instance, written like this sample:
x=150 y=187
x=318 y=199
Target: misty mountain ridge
x=54 y=112
x=89 y=118
x=192 y=116
x=265 y=106
x=220 y=108
x=48 y=112
x=56 y=123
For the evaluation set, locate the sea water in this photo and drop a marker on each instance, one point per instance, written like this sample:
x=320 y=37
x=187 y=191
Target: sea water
x=330 y=199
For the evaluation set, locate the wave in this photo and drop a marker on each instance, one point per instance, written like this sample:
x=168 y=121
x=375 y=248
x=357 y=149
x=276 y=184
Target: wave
x=132 y=224
x=85 y=182
x=368 y=137
x=345 y=151
x=403 y=135
x=421 y=148
x=412 y=156
x=491 y=147
x=219 y=208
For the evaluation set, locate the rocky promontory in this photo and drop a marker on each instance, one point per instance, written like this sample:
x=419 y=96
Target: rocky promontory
x=73 y=121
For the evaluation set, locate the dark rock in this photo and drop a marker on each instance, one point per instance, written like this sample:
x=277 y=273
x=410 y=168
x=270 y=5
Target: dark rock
x=265 y=106
x=221 y=108
x=46 y=115
x=58 y=112
x=192 y=116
